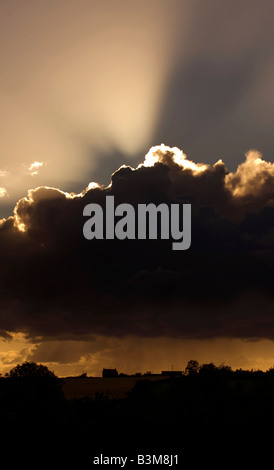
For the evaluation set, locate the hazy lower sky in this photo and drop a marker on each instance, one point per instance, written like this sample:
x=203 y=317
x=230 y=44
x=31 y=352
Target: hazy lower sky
x=87 y=86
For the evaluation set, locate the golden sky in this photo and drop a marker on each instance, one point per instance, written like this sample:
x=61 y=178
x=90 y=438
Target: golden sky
x=88 y=86
x=134 y=354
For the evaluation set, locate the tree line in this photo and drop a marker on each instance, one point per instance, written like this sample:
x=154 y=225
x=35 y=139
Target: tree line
x=209 y=412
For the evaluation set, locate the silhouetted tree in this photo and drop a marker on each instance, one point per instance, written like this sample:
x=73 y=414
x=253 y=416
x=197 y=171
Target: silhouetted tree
x=225 y=370
x=270 y=371
x=208 y=369
x=192 y=367
x=33 y=389
x=31 y=370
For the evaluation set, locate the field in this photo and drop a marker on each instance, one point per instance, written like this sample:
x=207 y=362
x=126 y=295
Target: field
x=92 y=387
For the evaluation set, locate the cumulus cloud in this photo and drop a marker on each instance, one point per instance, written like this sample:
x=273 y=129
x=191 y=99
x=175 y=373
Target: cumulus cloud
x=33 y=168
x=55 y=284
x=3 y=192
x=253 y=179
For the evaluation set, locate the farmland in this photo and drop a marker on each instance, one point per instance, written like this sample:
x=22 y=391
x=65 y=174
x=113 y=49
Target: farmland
x=98 y=387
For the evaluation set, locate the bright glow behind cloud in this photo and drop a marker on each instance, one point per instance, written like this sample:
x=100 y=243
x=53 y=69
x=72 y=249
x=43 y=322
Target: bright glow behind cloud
x=91 y=86
x=161 y=153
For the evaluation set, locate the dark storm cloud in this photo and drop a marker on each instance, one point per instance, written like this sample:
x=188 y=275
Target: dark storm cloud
x=57 y=284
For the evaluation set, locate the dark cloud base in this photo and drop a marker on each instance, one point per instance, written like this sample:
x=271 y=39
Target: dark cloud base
x=57 y=284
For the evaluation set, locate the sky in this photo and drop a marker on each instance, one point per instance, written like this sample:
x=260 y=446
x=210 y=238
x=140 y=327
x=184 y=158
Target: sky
x=154 y=101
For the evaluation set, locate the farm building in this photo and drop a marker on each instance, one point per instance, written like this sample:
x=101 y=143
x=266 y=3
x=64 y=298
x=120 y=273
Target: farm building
x=109 y=373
